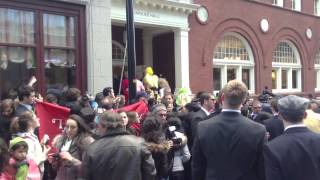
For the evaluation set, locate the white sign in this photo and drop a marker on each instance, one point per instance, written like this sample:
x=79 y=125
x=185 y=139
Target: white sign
x=147 y=13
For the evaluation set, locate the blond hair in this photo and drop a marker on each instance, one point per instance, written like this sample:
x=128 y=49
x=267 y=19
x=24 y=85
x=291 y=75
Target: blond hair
x=235 y=92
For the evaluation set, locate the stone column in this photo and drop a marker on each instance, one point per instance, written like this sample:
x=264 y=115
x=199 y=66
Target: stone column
x=99 y=43
x=181 y=52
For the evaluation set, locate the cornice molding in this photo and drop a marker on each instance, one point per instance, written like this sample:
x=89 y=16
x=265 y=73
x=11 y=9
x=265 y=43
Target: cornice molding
x=169 y=5
x=84 y=2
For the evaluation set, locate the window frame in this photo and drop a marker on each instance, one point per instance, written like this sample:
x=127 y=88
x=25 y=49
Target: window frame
x=223 y=64
x=278 y=67
x=39 y=8
x=316 y=9
x=294 y=4
x=118 y=62
x=278 y=3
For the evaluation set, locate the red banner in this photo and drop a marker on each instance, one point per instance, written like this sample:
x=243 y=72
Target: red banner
x=140 y=107
x=52 y=118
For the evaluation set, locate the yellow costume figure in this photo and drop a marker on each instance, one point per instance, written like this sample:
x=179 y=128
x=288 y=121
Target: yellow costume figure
x=151 y=82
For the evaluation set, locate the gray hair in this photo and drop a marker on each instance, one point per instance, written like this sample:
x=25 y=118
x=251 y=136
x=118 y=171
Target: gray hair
x=158 y=107
x=111 y=120
x=292 y=108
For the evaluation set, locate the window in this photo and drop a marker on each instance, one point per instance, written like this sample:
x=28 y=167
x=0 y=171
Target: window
x=278 y=3
x=41 y=41
x=286 y=68
x=233 y=59
x=17 y=47
x=296 y=5
x=317 y=71
x=317 y=7
x=118 y=52
x=59 y=50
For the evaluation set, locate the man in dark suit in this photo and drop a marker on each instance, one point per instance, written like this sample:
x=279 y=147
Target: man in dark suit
x=229 y=145
x=26 y=96
x=207 y=104
x=295 y=154
x=274 y=125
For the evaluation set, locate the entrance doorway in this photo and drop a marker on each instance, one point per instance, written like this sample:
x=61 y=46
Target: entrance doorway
x=160 y=55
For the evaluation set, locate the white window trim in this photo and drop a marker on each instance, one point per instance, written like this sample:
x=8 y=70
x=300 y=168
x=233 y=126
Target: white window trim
x=238 y=64
x=289 y=80
x=118 y=62
x=278 y=3
x=288 y=66
x=316 y=9
x=238 y=68
x=299 y=5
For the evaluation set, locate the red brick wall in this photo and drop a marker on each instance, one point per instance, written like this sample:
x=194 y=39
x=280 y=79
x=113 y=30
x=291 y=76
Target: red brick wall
x=243 y=17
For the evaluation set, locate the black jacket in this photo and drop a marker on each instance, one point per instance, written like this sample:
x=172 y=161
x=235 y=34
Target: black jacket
x=295 y=155
x=119 y=156
x=228 y=147
x=196 y=118
x=274 y=126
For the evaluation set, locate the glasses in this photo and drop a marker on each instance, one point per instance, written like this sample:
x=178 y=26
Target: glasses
x=162 y=115
x=259 y=107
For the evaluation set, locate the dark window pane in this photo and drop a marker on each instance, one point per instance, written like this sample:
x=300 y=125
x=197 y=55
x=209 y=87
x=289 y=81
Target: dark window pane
x=284 y=80
x=217 y=79
x=60 y=68
x=294 y=79
x=231 y=74
x=17 y=65
x=246 y=77
x=274 y=79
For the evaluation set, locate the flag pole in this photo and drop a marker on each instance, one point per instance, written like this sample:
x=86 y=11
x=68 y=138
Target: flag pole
x=131 y=50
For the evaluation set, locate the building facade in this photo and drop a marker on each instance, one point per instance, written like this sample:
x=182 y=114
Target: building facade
x=81 y=43
x=273 y=43
x=162 y=41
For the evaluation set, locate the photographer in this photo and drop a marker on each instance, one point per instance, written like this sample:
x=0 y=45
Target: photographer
x=71 y=146
x=179 y=151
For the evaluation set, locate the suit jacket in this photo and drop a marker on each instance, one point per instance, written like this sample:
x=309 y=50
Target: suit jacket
x=228 y=147
x=274 y=126
x=196 y=118
x=294 y=155
x=20 y=109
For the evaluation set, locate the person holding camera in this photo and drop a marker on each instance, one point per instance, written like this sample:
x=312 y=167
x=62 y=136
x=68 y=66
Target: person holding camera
x=158 y=146
x=180 y=151
x=71 y=145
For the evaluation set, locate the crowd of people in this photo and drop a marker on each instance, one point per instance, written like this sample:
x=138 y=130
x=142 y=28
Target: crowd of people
x=229 y=136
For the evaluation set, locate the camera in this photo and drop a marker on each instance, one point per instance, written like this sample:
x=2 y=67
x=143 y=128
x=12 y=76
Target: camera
x=176 y=141
x=56 y=156
x=173 y=137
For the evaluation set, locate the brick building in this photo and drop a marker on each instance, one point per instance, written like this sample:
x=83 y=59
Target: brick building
x=272 y=43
